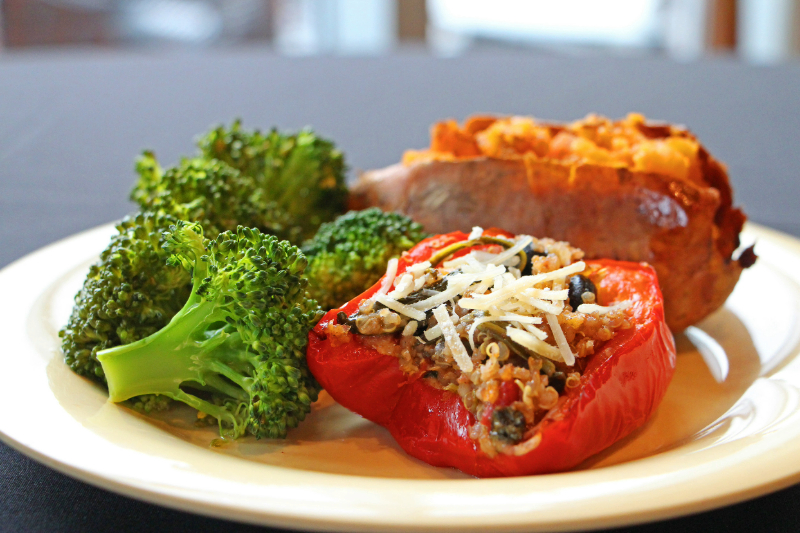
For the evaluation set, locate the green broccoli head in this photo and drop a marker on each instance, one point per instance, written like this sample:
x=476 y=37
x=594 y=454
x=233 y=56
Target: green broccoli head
x=207 y=191
x=302 y=174
x=243 y=150
x=129 y=294
x=236 y=350
x=348 y=255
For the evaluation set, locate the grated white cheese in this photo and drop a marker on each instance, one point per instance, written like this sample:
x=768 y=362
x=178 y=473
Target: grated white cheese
x=452 y=339
x=410 y=328
x=532 y=343
x=512 y=317
x=533 y=330
x=476 y=233
x=433 y=332
x=547 y=307
x=594 y=308
x=502 y=257
x=483 y=286
x=484 y=301
x=521 y=308
x=458 y=262
x=548 y=294
x=487 y=272
x=561 y=340
x=454 y=316
x=404 y=285
x=454 y=288
x=401 y=308
x=466 y=263
x=504 y=318
x=483 y=256
x=418 y=268
x=388 y=280
x=495 y=311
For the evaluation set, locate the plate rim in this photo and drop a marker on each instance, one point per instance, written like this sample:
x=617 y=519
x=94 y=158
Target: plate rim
x=174 y=499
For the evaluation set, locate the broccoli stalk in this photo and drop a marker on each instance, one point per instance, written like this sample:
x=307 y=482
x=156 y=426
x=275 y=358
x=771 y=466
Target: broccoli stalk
x=129 y=294
x=236 y=350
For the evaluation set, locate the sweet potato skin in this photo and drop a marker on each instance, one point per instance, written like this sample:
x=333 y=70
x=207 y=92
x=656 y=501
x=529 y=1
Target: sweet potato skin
x=686 y=230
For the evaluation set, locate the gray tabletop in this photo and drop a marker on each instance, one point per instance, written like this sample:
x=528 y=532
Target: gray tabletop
x=72 y=123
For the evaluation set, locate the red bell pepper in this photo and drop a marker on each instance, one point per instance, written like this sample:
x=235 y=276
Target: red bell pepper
x=620 y=388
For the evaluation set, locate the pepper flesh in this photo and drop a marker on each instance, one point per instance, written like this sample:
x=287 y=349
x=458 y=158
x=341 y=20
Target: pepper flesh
x=620 y=388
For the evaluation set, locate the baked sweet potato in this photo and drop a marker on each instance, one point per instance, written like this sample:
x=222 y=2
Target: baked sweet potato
x=628 y=190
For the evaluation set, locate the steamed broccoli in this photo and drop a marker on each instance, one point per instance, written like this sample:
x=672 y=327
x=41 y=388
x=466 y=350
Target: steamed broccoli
x=236 y=350
x=207 y=191
x=129 y=294
x=348 y=255
x=301 y=175
x=131 y=291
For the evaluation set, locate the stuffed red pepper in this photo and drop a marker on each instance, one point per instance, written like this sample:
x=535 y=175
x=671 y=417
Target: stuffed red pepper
x=500 y=355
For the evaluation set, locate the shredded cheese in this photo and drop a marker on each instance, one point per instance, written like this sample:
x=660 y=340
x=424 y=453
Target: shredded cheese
x=476 y=233
x=547 y=294
x=418 y=268
x=533 y=330
x=483 y=256
x=388 y=280
x=456 y=263
x=561 y=340
x=452 y=339
x=455 y=287
x=508 y=253
x=547 y=307
x=433 y=332
x=532 y=343
x=512 y=289
x=401 y=308
x=483 y=286
x=404 y=285
x=410 y=328
x=503 y=318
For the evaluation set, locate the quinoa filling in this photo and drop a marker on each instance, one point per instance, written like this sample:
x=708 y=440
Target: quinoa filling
x=505 y=323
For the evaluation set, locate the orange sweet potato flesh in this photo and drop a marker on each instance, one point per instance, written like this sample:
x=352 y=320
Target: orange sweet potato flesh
x=680 y=219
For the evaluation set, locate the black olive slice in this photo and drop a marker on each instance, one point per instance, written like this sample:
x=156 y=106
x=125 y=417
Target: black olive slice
x=577 y=286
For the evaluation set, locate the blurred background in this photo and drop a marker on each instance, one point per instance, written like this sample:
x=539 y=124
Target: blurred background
x=756 y=31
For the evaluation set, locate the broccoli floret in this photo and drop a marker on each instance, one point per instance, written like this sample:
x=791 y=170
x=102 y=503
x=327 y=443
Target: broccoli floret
x=348 y=255
x=301 y=175
x=236 y=350
x=129 y=294
x=207 y=191
x=150 y=403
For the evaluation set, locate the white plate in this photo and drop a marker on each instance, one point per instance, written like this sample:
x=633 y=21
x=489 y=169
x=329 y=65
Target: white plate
x=727 y=430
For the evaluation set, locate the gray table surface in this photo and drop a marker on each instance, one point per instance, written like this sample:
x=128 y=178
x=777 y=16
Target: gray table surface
x=71 y=124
